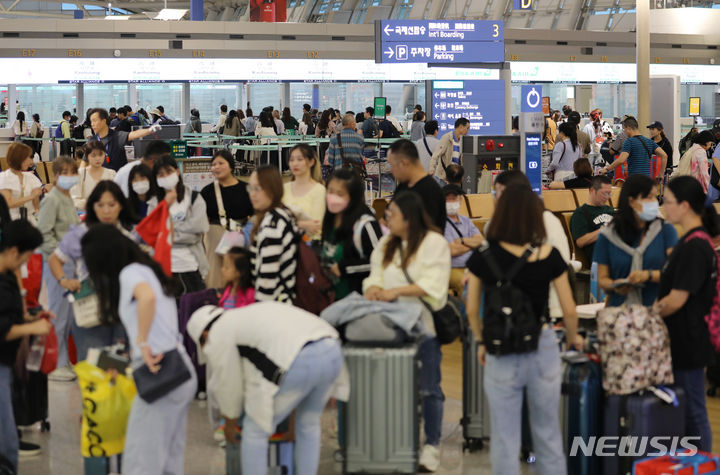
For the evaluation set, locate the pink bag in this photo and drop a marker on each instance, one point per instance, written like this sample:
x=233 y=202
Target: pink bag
x=713 y=318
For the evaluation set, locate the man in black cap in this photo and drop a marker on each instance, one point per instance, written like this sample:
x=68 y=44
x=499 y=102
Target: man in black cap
x=462 y=235
x=657 y=134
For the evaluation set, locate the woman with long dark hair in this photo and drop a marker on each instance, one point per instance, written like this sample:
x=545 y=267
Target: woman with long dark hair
x=190 y=222
x=305 y=193
x=325 y=127
x=105 y=205
x=133 y=290
x=350 y=232
x=565 y=152
x=516 y=235
x=233 y=126
x=141 y=188
x=415 y=249
x=288 y=120
x=20 y=126
x=687 y=289
x=274 y=238
x=633 y=248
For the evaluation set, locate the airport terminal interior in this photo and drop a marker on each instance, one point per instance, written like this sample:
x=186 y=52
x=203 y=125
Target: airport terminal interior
x=277 y=159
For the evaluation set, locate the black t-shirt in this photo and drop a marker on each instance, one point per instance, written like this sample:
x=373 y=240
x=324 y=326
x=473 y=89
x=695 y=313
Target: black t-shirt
x=668 y=149
x=235 y=200
x=114 y=143
x=388 y=129
x=534 y=278
x=11 y=313
x=432 y=196
x=124 y=126
x=690 y=267
x=578 y=182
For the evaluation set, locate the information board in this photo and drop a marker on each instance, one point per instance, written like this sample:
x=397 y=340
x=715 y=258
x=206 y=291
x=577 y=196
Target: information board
x=379 y=105
x=533 y=160
x=482 y=102
x=694 y=106
x=439 y=41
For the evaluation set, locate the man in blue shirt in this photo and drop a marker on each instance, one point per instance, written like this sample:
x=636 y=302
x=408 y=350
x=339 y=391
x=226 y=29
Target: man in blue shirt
x=370 y=125
x=637 y=151
x=462 y=235
x=351 y=142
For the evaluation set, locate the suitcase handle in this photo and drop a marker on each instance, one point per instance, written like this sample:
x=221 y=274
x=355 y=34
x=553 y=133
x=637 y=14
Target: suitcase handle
x=696 y=464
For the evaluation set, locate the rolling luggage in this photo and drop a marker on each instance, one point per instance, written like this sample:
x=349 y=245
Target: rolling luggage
x=643 y=414
x=476 y=412
x=580 y=408
x=679 y=464
x=382 y=417
x=281 y=451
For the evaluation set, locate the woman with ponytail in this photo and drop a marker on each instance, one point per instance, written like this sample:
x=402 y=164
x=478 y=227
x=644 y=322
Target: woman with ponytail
x=687 y=289
x=565 y=153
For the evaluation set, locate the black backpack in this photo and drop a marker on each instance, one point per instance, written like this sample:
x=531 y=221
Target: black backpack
x=509 y=322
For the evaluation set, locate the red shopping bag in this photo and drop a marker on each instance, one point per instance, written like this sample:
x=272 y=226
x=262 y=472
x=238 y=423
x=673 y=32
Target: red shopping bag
x=678 y=465
x=50 y=355
x=655 y=164
x=620 y=173
x=33 y=281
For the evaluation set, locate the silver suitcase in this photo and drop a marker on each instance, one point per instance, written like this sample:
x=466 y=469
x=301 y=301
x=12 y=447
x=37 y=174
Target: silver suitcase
x=382 y=430
x=476 y=412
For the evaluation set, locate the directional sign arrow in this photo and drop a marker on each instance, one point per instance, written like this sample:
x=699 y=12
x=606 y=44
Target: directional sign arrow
x=389 y=52
x=436 y=95
x=387 y=30
x=437 y=116
x=437 y=105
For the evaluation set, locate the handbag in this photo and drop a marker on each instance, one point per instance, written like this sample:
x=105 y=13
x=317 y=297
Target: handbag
x=231 y=237
x=447 y=320
x=86 y=306
x=172 y=373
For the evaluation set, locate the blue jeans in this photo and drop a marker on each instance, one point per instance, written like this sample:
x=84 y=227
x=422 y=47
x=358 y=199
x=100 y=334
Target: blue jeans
x=430 y=391
x=697 y=423
x=8 y=430
x=96 y=337
x=304 y=389
x=61 y=307
x=539 y=374
x=712 y=194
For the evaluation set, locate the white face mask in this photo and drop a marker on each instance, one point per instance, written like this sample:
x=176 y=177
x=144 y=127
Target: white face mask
x=452 y=207
x=168 y=182
x=141 y=187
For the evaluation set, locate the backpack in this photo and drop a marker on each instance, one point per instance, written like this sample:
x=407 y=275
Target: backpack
x=713 y=318
x=509 y=321
x=685 y=164
x=310 y=128
x=313 y=290
x=58 y=130
x=78 y=132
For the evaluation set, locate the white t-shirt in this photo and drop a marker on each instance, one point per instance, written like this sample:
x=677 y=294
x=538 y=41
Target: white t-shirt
x=86 y=185
x=122 y=176
x=10 y=181
x=425 y=157
x=164 y=335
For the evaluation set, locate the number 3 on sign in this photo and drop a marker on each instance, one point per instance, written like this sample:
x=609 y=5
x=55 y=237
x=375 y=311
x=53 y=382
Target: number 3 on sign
x=496 y=30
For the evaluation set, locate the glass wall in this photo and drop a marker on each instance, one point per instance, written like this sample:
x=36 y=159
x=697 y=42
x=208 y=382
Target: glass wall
x=106 y=95
x=402 y=97
x=707 y=94
x=332 y=96
x=361 y=95
x=300 y=93
x=614 y=99
x=48 y=100
x=168 y=95
x=263 y=94
x=207 y=98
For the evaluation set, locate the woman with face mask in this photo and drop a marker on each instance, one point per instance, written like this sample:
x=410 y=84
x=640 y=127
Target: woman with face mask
x=350 y=232
x=632 y=250
x=189 y=219
x=142 y=188
x=57 y=215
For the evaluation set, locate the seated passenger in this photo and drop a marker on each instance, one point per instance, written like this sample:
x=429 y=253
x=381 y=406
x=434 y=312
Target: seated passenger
x=583 y=174
x=454 y=174
x=588 y=219
x=636 y=228
x=303 y=349
x=462 y=235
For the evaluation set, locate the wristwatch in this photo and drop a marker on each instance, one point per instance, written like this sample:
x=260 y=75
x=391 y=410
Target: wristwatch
x=62 y=277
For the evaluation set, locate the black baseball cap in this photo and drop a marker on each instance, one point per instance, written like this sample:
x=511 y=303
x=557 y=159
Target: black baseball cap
x=716 y=126
x=656 y=125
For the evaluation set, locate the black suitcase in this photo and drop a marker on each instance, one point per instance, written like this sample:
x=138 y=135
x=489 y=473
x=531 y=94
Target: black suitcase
x=30 y=399
x=476 y=412
x=639 y=415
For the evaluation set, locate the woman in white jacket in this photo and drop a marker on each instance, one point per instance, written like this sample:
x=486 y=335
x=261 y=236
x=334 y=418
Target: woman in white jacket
x=269 y=359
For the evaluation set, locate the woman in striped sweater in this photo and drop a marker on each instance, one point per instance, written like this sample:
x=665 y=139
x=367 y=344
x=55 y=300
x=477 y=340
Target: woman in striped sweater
x=274 y=238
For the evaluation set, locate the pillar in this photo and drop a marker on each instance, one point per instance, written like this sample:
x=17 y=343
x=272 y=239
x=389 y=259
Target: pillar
x=506 y=75
x=642 y=40
x=80 y=100
x=12 y=104
x=185 y=102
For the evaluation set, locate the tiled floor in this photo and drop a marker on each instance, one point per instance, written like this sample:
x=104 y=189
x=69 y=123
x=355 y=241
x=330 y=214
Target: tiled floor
x=61 y=446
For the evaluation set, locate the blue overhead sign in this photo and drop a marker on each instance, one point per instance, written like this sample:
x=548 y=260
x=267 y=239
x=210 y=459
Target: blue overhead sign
x=522 y=4
x=482 y=102
x=531 y=98
x=435 y=41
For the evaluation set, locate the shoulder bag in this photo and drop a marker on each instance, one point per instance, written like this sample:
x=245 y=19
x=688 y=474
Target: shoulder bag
x=233 y=235
x=173 y=372
x=86 y=306
x=448 y=320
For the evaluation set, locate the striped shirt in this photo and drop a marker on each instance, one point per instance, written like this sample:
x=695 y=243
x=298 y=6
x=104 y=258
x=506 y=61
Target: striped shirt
x=352 y=144
x=639 y=149
x=274 y=256
x=456 y=149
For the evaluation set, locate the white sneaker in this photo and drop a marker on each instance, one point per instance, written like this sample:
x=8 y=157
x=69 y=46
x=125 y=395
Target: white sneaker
x=64 y=374
x=429 y=458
